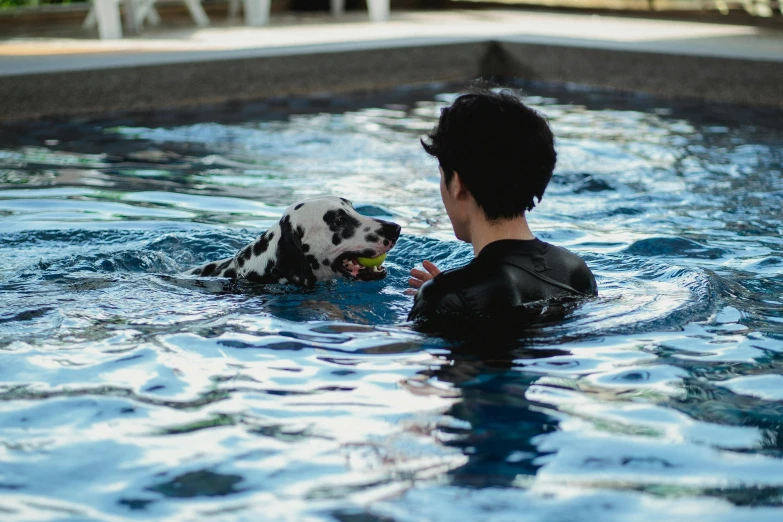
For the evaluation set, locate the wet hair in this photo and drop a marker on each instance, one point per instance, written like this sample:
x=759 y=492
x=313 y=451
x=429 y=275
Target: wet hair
x=503 y=150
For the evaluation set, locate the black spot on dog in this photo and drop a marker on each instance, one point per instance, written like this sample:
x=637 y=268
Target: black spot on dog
x=372 y=238
x=313 y=261
x=230 y=273
x=366 y=229
x=300 y=231
x=345 y=201
x=225 y=264
x=326 y=262
x=290 y=257
x=247 y=253
x=269 y=269
x=260 y=246
x=300 y=205
x=385 y=242
x=207 y=270
x=305 y=248
x=255 y=277
x=342 y=224
x=240 y=261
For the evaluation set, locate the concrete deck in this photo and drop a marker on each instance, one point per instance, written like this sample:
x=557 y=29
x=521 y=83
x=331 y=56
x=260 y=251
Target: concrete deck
x=45 y=77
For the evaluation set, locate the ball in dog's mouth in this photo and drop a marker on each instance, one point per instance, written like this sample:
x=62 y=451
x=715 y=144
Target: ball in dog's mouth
x=353 y=269
x=369 y=262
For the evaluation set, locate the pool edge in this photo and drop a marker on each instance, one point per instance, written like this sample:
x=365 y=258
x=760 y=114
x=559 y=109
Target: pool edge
x=92 y=92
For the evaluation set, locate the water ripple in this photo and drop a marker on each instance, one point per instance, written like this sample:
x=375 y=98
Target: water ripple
x=128 y=391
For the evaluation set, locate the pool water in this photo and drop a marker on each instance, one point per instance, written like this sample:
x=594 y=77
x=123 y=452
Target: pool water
x=129 y=393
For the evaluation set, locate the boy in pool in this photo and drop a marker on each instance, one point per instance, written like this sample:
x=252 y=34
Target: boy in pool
x=496 y=158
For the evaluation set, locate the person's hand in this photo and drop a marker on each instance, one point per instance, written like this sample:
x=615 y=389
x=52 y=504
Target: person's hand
x=419 y=277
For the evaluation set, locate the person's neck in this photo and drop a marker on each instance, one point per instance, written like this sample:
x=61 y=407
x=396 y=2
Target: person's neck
x=484 y=231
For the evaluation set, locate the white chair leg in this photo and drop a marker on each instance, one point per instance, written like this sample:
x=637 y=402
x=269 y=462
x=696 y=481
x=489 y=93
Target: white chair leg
x=131 y=24
x=197 y=12
x=145 y=10
x=153 y=17
x=233 y=9
x=764 y=8
x=90 y=20
x=338 y=7
x=379 y=10
x=257 y=12
x=722 y=7
x=107 y=14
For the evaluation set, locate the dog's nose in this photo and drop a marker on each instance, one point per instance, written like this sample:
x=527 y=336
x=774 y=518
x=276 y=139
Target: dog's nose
x=390 y=231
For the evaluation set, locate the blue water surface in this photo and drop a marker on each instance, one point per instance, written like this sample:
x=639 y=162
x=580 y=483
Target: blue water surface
x=130 y=393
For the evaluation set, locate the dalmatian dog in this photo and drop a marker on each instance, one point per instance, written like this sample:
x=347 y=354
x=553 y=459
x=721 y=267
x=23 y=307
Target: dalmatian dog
x=315 y=240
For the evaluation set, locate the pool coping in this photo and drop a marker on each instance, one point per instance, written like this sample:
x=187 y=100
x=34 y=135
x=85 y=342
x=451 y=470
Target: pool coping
x=98 y=84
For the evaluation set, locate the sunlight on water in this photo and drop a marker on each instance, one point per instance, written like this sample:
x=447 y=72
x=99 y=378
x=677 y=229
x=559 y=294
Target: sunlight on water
x=127 y=392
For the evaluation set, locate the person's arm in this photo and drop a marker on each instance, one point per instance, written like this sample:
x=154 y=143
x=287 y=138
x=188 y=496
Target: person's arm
x=438 y=308
x=437 y=301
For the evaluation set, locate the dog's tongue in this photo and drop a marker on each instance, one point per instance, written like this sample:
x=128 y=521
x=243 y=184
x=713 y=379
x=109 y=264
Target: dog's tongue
x=370 y=262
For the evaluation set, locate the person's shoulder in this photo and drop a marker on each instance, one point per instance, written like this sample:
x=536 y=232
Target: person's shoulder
x=450 y=282
x=563 y=253
x=573 y=268
x=459 y=277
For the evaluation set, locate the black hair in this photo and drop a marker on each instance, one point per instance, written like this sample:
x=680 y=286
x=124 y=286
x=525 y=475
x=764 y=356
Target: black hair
x=503 y=150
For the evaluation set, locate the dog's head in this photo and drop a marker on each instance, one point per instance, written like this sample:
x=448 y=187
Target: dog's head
x=327 y=235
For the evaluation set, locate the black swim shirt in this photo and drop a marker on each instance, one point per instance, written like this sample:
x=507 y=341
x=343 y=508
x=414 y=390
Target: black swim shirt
x=498 y=286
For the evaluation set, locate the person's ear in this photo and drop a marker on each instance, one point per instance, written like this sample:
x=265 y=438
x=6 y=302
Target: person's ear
x=458 y=189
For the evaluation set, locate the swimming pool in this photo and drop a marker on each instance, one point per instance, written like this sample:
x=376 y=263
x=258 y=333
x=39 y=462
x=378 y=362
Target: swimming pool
x=126 y=394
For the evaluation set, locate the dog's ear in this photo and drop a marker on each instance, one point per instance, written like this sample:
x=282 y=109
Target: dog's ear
x=291 y=259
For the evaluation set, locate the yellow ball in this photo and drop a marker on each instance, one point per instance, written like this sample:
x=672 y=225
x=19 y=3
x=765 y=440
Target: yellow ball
x=370 y=262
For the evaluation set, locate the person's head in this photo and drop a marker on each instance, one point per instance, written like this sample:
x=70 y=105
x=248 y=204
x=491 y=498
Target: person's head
x=501 y=151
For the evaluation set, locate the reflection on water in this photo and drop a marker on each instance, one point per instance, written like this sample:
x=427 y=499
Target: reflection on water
x=129 y=392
